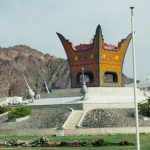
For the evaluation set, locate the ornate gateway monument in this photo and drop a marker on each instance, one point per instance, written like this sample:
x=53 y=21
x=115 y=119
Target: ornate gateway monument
x=103 y=63
x=100 y=66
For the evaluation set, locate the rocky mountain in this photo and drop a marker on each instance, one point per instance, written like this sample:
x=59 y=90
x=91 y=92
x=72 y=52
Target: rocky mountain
x=36 y=66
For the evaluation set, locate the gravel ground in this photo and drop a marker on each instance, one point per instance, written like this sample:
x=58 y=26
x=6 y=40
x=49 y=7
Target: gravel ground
x=105 y=118
x=41 y=118
x=53 y=118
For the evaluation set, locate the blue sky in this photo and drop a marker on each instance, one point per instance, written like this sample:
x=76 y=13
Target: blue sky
x=35 y=23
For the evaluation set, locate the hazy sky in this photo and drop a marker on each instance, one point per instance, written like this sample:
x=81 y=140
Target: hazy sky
x=35 y=23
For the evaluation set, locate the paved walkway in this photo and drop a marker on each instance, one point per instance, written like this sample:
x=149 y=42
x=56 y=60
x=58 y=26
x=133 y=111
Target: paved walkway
x=73 y=119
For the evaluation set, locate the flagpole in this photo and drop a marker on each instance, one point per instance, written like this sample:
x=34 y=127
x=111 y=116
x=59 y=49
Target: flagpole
x=135 y=81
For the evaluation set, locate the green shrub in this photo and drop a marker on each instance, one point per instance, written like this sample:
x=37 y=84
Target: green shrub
x=38 y=141
x=99 y=142
x=125 y=143
x=144 y=109
x=3 y=109
x=19 y=112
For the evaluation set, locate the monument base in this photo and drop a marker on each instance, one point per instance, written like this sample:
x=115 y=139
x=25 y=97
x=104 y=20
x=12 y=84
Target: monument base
x=97 y=97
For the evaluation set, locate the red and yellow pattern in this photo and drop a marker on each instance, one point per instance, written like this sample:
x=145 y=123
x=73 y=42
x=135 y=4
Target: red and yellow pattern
x=96 y=59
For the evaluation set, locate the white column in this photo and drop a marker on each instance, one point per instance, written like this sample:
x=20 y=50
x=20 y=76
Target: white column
x=135 y=81
x=46 y=87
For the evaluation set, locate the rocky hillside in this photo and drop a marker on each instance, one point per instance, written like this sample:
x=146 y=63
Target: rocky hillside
x=37 y=67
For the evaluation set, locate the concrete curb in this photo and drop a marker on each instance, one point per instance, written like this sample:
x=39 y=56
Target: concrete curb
x=20 y=119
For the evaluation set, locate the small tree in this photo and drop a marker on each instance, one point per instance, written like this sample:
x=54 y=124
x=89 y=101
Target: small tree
x=144 y=108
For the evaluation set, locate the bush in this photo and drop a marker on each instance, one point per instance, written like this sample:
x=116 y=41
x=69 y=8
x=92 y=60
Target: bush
x=86 y=143
x=3 y=109
x=144 y=109
x=125 y=143
x=99 y=142
x=45 y=142
x=39 y=141
x=19 y=112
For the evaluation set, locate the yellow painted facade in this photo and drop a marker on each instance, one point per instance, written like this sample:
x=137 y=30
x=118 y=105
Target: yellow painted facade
x=112 y=61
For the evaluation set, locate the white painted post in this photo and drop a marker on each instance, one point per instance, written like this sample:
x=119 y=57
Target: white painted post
x=31 y=92
x=46 y=88
x=135 y=81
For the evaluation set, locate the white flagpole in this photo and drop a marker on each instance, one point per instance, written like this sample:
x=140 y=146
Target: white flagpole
x=135 y=83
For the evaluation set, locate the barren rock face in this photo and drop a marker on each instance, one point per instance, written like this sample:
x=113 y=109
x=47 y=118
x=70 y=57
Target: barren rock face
x=37 y=67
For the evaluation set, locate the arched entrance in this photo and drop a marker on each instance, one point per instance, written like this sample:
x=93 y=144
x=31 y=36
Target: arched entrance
x=110 y=77
x=88 y=76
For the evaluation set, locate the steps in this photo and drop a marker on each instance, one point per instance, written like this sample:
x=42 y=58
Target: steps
x=73 y=119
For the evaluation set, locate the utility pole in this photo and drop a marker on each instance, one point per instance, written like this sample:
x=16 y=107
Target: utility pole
x=135 y=81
